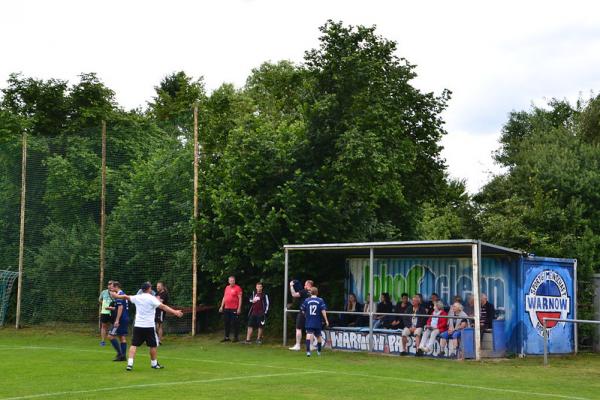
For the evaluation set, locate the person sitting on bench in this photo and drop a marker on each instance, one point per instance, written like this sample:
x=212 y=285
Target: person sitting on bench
x=413 y=324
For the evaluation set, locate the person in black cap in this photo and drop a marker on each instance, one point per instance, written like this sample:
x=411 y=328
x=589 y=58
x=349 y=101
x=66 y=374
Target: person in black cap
x=144 y=330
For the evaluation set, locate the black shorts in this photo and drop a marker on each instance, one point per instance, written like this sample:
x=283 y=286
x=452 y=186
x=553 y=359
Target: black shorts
x=257 y=321
x=160 y=316
x=300 y=320
x=106 y=318
x=144 y=335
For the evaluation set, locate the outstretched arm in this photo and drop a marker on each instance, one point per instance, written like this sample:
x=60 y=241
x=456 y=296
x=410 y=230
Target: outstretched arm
x=115 y=295
x=177 y=313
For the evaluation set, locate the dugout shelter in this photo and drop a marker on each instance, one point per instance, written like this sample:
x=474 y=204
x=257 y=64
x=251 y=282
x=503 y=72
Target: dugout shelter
x=524 y=289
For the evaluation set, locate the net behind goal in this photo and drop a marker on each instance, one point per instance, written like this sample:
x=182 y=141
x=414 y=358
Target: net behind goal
x=7 y=278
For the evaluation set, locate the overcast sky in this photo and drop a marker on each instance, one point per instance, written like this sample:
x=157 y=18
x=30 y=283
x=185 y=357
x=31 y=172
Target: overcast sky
x=494 y=56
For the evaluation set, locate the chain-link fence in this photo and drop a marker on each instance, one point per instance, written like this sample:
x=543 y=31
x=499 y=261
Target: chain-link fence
x=67 y=248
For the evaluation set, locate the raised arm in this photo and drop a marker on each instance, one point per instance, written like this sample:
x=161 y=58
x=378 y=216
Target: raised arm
x=293 y=291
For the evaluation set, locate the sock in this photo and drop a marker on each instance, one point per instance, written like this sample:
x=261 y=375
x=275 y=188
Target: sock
x=319 y=347
x=123 y=348
x=153 y=362
x=307 y=346
x=130 y=361
x=116 y=345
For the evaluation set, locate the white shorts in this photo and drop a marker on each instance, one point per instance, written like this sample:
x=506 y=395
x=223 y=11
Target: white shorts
x=417 y=332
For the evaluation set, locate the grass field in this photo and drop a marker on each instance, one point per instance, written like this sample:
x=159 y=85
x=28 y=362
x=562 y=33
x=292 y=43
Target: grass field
x=55 y=364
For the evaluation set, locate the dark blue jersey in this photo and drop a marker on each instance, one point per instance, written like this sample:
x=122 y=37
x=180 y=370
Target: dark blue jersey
x=312 y=309
x=125 y=305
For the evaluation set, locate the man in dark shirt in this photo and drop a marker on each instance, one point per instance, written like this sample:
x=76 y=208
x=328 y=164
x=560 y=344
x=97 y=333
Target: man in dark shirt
x=401 y=307
x=257 y=314
x=413 y=324
x=163 y=297
x=300 y=318
x=487 y=313
x=429 y=304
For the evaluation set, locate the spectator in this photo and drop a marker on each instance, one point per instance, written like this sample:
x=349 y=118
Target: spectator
x=487 y=313
x=434 y=327
x=351 y=306
x=105 y=312
x=384 y=306
x=469 y=308
x=300 y=318
x=231 y=306
x=363 y=320
x=429 y=305
x=455 y=327
x=258 y=313
x=413 y=324
x=163 y=297
x=401 y=307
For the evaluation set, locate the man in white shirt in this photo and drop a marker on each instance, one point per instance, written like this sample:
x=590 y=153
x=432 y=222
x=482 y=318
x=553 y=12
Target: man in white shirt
x=144 y=330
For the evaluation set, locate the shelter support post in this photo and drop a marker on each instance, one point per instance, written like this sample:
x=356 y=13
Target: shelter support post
x=371 y=295
x=575 y=326
x=545 y=342
x=476 y=256
x=285 y=297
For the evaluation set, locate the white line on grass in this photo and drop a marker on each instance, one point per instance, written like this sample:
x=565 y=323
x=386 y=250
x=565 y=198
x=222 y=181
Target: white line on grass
x=408 y=380
x=147 y=385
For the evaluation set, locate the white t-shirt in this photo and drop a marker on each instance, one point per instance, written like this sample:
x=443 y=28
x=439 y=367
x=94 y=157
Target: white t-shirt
x=145 y=306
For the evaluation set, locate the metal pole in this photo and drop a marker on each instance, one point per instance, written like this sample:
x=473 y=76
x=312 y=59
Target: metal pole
x=575 y=330
x=545 y=342
x=22 y=228
x=194 y=234
x=285 y=296
x=476 y=254
x=102 y=205
x=371 y=294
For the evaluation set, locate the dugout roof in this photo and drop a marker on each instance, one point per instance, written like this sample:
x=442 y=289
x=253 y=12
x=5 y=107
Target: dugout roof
x=458 y=248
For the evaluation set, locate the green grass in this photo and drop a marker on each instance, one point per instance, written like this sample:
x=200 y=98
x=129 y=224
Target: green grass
x=56 y=364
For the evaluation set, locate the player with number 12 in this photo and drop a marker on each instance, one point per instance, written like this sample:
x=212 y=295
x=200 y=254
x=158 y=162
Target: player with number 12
x=315 y=311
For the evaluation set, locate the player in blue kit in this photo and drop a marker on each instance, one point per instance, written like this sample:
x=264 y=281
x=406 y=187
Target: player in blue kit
x=120 y=326
x=315 y=311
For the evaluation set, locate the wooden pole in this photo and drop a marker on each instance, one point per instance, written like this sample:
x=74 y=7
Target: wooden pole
x=22 y=229
x=195 y=238
x=102 y=205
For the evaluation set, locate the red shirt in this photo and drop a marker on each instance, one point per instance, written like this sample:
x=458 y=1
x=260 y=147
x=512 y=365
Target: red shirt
x=232 y=300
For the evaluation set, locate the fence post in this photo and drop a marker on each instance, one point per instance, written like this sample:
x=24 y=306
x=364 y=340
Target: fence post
x=194 y=234
x=545 y=342
x=102 y=205
x=22 y=228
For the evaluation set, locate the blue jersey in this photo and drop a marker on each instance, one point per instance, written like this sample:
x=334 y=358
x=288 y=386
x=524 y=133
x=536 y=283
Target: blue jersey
x=312 y=309
x=125 y=305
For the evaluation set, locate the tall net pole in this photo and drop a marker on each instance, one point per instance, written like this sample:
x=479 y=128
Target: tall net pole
x=22 y=229
x=102 y=205
x=194 y=234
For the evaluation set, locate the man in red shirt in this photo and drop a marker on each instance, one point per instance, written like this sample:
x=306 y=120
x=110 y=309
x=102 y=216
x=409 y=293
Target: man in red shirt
x=231 y=306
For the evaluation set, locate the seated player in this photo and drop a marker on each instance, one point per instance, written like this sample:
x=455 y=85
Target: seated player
x=434 y=327
x=120 y=326
x=315 y=312
x=413 y=324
